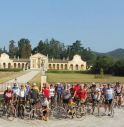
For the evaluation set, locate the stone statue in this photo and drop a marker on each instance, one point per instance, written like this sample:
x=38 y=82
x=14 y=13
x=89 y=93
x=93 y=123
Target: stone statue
x=42 y=68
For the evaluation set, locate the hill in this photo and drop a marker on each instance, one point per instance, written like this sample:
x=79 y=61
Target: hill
x=116 y=54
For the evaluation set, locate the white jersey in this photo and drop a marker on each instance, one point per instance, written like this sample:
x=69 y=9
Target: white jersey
x=22 y=93
x=52 y=92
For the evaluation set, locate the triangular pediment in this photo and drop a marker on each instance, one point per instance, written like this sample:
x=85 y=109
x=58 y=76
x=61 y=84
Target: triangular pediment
x=38 y=55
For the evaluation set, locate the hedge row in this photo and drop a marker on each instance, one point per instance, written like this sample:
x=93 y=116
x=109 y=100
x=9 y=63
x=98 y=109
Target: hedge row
x=66 y=71
x=11 y=70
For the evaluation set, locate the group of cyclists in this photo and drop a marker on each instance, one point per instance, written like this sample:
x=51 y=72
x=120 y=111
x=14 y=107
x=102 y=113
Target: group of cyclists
x=66 y=94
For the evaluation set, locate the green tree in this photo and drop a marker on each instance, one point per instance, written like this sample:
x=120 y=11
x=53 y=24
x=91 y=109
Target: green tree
x=12 y=49
x=104 y=62
x=24 y=48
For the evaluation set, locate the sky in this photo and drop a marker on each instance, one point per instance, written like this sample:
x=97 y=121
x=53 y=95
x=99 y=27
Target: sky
x=98 y=24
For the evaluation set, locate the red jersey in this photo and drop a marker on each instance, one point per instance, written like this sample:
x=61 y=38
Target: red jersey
x=46 y=92
x=76 y=90
x=8 y=95
x=83 y=94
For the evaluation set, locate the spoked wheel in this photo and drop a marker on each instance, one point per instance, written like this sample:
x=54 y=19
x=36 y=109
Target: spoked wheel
x=21 y=111
x=11 y=113
x=80 y=112
x=59 y=112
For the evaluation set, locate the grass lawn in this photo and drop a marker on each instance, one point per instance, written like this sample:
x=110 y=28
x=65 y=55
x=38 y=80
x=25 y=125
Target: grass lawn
x=76 y=77
x=5 y=76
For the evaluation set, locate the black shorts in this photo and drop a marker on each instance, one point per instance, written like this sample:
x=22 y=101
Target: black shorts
x=108 y=101
x=65 y=101
x=118 y=94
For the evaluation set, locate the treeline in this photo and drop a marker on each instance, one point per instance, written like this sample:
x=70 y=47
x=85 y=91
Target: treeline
x=53 y=48
x=58 y=50
x=109 y=65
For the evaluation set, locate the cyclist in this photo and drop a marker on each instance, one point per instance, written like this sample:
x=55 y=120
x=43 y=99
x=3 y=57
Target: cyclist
x=109 y=96
x=66 y=96
x=45 y=107
x=52 y=93
x=15 y=89
x=96 y=94
x=8 y=95
x=76 y=93
x=59 y=91
x=46 y=92
x=118 y=94
x=34 y=94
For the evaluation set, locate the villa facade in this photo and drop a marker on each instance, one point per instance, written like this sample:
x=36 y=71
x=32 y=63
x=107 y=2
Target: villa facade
x=39 y=61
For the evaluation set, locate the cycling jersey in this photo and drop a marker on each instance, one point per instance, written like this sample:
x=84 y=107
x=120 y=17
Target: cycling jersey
x=52 y=92
x=8 y=95
x=83 y=94
x=109 y=94
x=59 y=90
x=46 y=92
x=15 y=90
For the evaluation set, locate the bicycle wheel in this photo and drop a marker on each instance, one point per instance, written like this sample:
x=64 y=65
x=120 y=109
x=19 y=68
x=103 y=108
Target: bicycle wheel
x=59 y=112
x=11 y=113
x=80 y=112
x=21 y=111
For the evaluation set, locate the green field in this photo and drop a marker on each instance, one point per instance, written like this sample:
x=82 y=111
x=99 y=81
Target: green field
x=77 y=77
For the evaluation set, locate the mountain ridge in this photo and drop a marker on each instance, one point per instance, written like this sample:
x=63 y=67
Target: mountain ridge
x=116 y=54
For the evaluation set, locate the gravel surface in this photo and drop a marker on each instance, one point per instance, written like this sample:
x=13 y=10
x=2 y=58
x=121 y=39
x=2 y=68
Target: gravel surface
x=89 y=121
x=26 y=77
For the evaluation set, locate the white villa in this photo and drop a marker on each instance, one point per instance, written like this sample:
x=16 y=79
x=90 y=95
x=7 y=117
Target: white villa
x=38 y=60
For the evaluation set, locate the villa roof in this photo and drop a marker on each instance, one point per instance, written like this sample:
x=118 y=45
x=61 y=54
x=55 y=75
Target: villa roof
x=21 y=60
x=57 y=61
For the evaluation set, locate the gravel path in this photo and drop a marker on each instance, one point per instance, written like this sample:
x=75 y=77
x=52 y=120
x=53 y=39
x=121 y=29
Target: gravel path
x=89 y=121
x=26 y=77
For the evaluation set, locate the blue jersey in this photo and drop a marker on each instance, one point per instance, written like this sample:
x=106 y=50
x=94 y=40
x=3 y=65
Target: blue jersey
x=59 y=89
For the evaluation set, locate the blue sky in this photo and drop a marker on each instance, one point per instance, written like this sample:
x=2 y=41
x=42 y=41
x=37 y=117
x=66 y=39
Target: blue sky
x=99 y=24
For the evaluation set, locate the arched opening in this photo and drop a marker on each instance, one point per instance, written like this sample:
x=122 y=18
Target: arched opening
x=9 y=65
x=57 y=66
x=65 y=66
x=23 y=65
x=4 y=65
x=76 y=67
x=50 y=67
x=14 y=65
x=53 y=66
x=82 y=67
x=71 y=67
x=19 y=65
x=62 y=66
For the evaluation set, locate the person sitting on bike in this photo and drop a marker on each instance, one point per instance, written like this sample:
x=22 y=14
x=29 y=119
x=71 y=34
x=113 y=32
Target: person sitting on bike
x=118 y=94
x=109 y=96
x=71 y=105
x=45 y=109
x=8 y=95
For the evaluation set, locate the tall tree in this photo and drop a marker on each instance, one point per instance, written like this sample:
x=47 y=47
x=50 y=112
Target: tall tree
x=24 y=48
x=12 y=49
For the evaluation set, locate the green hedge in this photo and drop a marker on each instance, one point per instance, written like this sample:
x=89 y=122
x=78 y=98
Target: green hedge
x=11 y=70
x=66 y=71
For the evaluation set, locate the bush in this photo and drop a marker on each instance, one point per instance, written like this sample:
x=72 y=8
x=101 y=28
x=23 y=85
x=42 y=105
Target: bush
x=66 y=71
x=11 y=70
